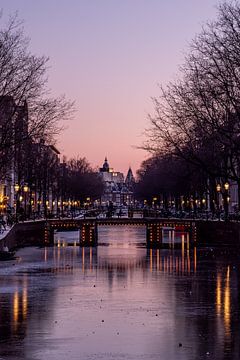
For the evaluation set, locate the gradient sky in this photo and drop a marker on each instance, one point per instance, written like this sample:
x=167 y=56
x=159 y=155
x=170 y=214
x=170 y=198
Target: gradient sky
x=109 y=56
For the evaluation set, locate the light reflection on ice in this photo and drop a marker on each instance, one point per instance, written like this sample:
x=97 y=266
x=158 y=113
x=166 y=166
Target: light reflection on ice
x=119 y=300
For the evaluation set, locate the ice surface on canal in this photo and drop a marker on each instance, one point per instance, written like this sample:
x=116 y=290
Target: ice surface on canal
x=119 y=301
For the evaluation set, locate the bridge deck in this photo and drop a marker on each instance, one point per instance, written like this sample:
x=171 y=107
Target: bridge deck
x=121 y=221
x=88 y=228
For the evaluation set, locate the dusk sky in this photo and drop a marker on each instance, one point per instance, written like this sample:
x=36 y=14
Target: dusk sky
x=109 y=56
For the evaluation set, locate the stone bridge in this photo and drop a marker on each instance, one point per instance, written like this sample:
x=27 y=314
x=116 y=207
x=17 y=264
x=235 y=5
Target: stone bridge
x=88 y=228
x=203 y=233
x=41 y=232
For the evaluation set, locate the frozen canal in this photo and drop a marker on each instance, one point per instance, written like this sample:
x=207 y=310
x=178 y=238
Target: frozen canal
x=119 y=301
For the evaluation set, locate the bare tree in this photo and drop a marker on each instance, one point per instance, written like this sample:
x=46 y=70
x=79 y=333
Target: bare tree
x=198 y=117
x=83 y=181
x=23 y=84
x=169 y=180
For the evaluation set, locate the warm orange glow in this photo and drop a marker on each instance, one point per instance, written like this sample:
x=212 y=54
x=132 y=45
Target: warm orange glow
x=226 y=186
x=188 y=241
x=195 y=259
x=183 y=253
x=223 y=301
x=227 y=304
x=45 y=254
x=25 y=299
x=158 y=253
x=16 y=187
x=151 y=259
x=188 y=262
x=219 y=294
x=25 y=188
x=15 y=309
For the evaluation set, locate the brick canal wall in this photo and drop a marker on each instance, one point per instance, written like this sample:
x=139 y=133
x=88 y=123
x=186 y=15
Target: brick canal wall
x=218 y=233
x=24 y=234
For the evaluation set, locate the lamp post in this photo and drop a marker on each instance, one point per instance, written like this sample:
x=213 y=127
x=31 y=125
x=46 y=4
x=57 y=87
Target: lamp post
x=226 y=199
x=154 y=203
x=25 y=190
x=218 y=188
x=59 y=208
x=21 y=195
x=17 y=188
x=203 y=204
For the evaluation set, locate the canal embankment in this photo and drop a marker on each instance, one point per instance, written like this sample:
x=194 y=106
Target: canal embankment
x=218 y=233
x=23 y=234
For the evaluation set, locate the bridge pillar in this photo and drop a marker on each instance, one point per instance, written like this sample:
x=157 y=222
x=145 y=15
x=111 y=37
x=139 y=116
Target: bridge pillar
x=154 y=235
x=88 y=234
x=193 y=233
x=48 y=235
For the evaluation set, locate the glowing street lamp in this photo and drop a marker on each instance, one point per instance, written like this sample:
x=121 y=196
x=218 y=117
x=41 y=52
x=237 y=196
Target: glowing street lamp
x=17 y=190
x=25 y=190
x=218 y=188
x=226 y=198
x=225 y=195
x=16 y=187
x=226 y=186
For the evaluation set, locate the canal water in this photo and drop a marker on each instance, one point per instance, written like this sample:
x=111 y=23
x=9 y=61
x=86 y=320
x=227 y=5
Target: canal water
x=120 y=300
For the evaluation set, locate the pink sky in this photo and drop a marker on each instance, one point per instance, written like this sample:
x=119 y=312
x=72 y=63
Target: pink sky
x=109 y=56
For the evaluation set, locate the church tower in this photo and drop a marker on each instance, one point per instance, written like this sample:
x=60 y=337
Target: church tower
x=105 y=167
x=129 y=181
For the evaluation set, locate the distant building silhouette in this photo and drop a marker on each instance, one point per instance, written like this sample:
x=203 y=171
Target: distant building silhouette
x=117 y=190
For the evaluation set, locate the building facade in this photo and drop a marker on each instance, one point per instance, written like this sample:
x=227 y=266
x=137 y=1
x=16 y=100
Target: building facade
x=28 y=169
x=118 y=190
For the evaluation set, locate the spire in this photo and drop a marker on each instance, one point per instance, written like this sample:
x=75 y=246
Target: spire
x=129 y=178
x=105 y=167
